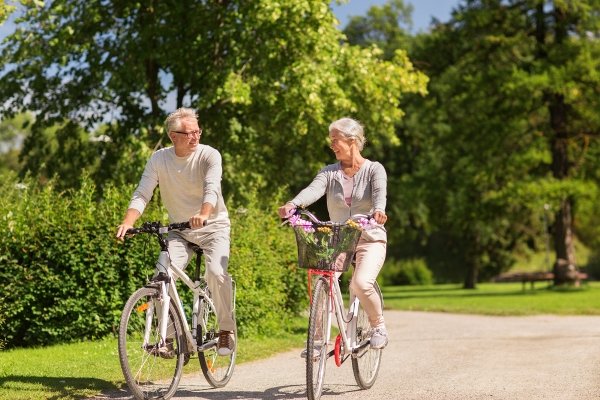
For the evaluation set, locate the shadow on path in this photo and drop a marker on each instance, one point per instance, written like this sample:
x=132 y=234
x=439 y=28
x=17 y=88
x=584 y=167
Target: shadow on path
x=56 y=387
x=288 y=392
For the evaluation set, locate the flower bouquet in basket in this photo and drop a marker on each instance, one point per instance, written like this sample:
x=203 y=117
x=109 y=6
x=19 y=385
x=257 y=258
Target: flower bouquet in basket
x=327 y=246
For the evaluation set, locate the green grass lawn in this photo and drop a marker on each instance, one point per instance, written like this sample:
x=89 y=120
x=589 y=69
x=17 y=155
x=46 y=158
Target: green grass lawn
x=496 y=299
x=79 y=370
x=74 y=371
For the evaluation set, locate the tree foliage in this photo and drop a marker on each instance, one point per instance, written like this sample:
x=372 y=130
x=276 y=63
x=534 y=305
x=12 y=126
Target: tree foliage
x=505 y=138
x=5 y=10
x=12 y=133
x=267 y=77
x=386 y=27
x=509 y=126
x=520 y=96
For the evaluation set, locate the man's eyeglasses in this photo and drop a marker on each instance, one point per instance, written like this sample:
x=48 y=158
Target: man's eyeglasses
x=190 y=134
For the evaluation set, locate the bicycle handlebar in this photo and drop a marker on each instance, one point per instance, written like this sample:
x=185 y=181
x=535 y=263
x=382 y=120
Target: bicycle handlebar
x=156 y=228
x=314 y=219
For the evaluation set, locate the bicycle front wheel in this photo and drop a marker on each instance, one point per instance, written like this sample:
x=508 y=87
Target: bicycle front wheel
x=366 y=367
x=216 y=369
x=317 y=341
x=152 y=369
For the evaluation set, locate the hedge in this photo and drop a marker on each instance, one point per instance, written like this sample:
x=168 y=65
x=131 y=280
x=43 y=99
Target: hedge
x=66 y=277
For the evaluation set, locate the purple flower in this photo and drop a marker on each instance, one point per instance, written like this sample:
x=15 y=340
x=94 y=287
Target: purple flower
x=295 y=220
x=367 y=224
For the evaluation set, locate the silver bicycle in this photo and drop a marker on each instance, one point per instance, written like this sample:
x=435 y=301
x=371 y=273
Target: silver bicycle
x=156 y=338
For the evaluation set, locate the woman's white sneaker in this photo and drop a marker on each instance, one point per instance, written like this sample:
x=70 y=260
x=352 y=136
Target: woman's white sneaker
x=379 y=338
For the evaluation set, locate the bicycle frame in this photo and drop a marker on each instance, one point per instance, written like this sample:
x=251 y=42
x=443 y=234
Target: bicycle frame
x=168 y=290
x=347 y=329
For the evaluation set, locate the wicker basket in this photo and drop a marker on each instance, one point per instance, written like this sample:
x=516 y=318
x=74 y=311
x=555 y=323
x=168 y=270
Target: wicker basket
x=326 y=247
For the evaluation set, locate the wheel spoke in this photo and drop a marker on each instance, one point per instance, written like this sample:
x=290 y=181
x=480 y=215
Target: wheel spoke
x=216 y=369
x=317 y=341
x=365 y=367
x=148 y=372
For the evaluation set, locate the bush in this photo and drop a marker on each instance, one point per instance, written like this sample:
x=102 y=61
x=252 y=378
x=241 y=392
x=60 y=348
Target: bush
x=406 y=272
x=593 y=266
x=2 y=319
x=271 y=288
x=66 y=277
x=63 y=269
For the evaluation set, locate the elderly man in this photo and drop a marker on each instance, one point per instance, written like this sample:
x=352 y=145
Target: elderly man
x=189 y=178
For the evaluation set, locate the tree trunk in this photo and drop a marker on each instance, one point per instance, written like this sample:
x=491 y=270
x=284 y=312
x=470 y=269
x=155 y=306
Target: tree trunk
x=472 y=255
x=471 y=277
x=564 y=268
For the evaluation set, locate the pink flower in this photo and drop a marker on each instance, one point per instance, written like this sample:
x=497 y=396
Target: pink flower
x=367 y=224
x=295 y=220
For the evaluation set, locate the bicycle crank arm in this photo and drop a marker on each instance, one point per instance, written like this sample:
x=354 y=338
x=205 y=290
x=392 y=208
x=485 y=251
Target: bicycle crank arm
x=208 y=345
x=361 y=349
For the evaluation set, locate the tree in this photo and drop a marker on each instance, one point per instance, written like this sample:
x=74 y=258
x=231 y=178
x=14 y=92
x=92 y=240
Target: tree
x=266 y=76
x=566 y=51
x=5 y=10
x=12 y=133
x=385 y=26
x=519 y=99
x=507 y=127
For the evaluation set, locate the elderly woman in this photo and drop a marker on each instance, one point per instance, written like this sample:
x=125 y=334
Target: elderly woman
x=354 y=185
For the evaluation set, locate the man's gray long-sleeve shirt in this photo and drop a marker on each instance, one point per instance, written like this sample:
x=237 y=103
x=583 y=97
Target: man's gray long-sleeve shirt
x=368 y=195
x=185 y=184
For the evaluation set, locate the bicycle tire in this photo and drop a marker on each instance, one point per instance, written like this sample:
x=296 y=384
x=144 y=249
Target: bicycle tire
x=317 y=340
x=149 y=375
x=216 y=369
x=366 y=367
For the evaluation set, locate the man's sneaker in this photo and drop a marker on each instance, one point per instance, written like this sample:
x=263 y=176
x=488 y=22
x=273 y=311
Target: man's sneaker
x=379 y=338
x=226 y=343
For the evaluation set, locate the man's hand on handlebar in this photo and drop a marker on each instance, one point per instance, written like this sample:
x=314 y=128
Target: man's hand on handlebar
x=198 y=221
x=122 y=230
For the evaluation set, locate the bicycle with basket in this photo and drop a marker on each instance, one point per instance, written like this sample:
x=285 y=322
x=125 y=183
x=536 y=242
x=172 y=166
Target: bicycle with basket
x=327 y=249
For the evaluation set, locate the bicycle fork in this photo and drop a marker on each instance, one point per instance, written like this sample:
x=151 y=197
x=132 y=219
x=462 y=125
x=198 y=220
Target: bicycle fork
x=166 y=294
x=162 y=306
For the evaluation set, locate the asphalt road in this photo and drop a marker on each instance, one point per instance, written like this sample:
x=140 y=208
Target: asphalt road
x=440 y=356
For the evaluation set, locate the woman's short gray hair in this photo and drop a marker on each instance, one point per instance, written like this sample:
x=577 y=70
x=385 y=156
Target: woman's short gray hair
x=350 y=129
x=172 y=121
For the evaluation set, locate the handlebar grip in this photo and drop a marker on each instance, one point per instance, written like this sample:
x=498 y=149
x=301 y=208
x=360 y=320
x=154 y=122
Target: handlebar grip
x=132 y=231
x=180 y=225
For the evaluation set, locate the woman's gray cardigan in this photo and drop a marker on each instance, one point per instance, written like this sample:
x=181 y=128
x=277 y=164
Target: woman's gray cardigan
x=368 y=194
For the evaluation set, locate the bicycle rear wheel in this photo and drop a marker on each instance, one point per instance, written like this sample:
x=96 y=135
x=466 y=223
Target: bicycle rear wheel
x=216 y=369
x=150 y=373
x=317 y=341
x=366 y=367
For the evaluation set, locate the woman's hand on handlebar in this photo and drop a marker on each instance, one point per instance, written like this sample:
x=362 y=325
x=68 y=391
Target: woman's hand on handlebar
x=380 y=217
x=286 y=210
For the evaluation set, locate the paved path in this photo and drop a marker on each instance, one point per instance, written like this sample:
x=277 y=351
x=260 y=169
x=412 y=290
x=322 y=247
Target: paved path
x=441 y=356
